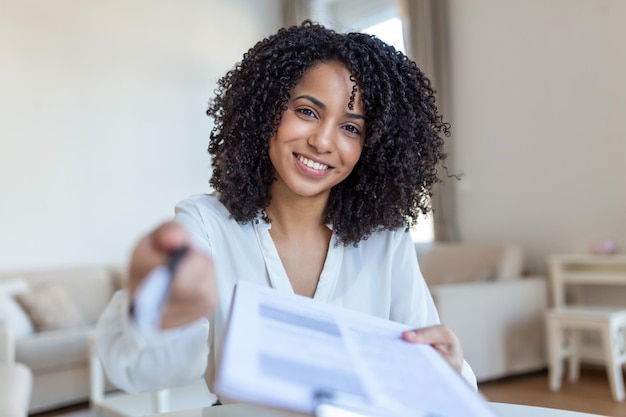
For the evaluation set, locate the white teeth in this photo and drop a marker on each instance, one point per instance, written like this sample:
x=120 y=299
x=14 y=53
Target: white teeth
x=312 y=164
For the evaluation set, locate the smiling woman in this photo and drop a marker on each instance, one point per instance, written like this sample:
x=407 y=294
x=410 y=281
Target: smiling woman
x=325 y=149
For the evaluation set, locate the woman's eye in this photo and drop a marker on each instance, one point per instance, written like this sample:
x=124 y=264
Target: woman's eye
x=306 y=112
x=353 y=129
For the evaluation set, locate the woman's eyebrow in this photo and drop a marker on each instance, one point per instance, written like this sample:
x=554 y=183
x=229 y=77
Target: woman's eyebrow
x=312 y=100
x=323 y=106
x=355 y=116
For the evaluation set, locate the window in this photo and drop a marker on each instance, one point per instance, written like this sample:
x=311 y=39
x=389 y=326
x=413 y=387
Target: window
x=389 y=31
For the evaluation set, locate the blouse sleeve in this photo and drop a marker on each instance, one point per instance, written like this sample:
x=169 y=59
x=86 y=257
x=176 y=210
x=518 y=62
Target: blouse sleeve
x=190 y=217
x=413 y=303
x=137 y=360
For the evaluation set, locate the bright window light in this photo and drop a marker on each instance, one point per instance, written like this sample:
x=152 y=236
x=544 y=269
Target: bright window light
x=423 y=231
x=388 y=31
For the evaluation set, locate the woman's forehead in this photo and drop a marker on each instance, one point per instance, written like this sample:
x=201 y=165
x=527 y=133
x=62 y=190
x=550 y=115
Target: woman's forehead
x=334 y=76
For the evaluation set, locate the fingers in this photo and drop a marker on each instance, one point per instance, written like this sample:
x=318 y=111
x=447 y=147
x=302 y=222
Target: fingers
x=169 y=237
x=193 y=291
x=438 y=334
x=154 y=250
x=442 y=339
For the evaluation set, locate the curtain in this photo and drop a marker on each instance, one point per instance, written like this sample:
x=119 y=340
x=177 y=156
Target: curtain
x=295 y=11
x=425 y=36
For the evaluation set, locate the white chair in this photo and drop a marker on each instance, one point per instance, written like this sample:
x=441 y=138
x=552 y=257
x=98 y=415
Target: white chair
x=565 y=326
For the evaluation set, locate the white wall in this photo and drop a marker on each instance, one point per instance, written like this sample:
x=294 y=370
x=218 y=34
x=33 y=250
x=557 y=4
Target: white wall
x=538 y=109
x=102 y=124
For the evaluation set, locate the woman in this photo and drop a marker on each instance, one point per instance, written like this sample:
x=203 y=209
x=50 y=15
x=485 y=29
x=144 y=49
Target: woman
x=325 y=149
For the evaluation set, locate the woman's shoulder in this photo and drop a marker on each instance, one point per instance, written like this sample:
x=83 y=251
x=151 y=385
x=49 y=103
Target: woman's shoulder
x=208 y=200
x=204 y=206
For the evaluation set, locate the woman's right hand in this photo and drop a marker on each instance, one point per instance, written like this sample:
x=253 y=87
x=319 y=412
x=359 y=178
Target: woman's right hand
x=193 y=291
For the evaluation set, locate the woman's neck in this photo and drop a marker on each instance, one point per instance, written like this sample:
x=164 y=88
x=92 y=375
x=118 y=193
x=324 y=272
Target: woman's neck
x=296 y=217
x=301 y=239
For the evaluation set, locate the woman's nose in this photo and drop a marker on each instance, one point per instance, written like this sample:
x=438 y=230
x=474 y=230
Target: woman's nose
x=323 y=138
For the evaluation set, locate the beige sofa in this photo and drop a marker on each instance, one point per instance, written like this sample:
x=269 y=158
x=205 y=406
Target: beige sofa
x=497 y=312
x=15 y=379
x=49 y=314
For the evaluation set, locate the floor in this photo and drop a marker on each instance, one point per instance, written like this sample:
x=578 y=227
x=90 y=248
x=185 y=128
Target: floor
x=117 y=403
x=78 y=410
x=591 y=394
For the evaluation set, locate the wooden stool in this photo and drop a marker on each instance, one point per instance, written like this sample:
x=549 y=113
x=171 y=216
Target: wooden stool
x=564 y=326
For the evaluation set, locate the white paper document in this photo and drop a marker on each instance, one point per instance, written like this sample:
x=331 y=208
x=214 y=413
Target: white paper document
x=289 y=351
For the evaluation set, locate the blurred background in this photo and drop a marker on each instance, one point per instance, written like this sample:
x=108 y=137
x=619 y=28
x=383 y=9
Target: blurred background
x=103 y=130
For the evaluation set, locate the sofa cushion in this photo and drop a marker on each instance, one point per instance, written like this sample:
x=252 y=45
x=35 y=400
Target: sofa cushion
x=91 y=288
x=51 y=308
x=11 y=313
x=56 y=349
x=13 y=286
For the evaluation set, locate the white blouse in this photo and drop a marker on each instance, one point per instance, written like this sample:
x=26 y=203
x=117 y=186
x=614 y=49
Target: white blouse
x=380 y=276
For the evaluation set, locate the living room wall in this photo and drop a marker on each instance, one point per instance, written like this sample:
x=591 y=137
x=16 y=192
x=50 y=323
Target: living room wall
x=102 y=124
x=538 y=104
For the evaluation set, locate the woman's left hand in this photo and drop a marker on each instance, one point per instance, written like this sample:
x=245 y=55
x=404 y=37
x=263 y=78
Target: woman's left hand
x=442 y=339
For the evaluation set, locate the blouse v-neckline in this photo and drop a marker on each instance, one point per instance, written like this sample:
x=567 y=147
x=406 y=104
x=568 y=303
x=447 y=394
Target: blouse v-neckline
x=276 y=270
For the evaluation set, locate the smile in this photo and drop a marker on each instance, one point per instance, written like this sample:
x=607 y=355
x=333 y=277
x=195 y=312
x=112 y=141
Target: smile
x=312 y=164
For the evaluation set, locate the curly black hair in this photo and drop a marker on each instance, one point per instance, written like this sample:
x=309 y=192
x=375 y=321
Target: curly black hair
x=391 y=184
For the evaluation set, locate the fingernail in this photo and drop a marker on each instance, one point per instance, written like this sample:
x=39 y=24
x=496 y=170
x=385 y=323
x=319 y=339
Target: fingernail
x=411 y=336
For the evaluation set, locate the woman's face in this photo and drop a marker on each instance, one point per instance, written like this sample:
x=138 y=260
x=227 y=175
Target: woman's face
x=319 y=139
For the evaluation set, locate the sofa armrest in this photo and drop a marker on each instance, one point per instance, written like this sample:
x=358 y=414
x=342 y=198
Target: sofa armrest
x=500 y=324
x=7 y=344
x=455 y=263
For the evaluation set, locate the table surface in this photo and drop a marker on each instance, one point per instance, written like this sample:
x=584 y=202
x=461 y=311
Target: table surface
x=584 y=269
x=244 y=410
